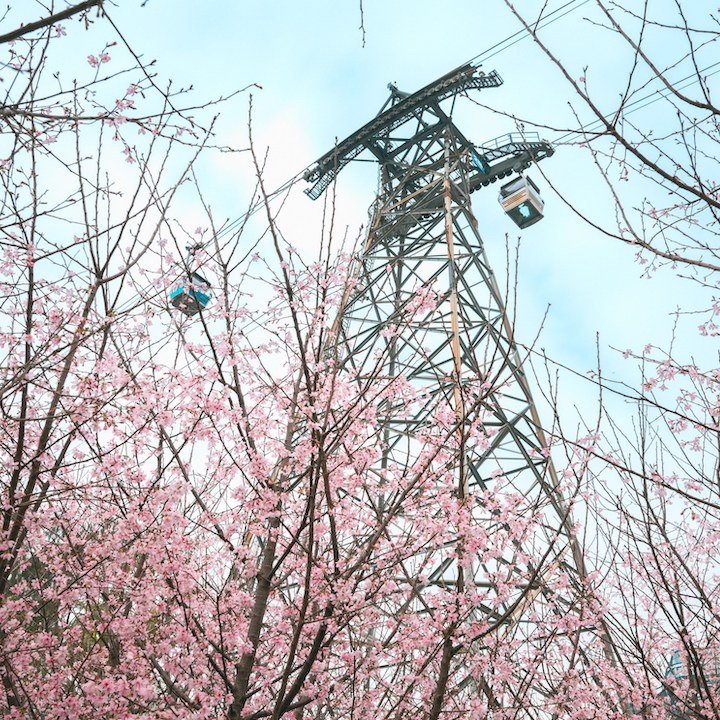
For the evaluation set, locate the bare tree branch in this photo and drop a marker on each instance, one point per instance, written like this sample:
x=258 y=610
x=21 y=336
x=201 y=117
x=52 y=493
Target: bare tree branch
x=50 y=20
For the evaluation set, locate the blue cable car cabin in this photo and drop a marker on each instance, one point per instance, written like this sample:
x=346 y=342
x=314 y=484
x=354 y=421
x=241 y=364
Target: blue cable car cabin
x=191 y=297
x=521 y=201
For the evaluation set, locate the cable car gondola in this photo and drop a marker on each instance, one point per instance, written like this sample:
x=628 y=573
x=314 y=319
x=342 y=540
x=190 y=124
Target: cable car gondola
x=521 y=201
x=191 y=297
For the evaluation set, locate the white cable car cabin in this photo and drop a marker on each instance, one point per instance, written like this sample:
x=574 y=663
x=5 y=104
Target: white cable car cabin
x=521 y=201
x=191 y=297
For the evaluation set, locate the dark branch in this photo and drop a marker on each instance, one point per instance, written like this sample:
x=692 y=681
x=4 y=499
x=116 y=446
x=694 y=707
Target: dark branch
x=50 y=20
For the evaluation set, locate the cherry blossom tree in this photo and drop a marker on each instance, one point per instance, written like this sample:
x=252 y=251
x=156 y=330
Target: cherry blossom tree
x=92 y=162
x=198 y=516
x=648 y=119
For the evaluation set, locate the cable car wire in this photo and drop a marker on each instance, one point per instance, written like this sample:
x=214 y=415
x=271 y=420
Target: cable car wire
x=641 y=103
x=521 y=34
x=486 y=54
x=510 y=41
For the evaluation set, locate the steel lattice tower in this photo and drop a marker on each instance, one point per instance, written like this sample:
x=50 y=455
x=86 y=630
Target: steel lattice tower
x=459 y=355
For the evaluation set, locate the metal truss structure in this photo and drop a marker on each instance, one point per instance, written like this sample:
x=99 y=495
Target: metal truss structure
x=426 y=308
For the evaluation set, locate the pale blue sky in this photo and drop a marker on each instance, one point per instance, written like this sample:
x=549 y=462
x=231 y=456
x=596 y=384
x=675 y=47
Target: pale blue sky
x=319 y=82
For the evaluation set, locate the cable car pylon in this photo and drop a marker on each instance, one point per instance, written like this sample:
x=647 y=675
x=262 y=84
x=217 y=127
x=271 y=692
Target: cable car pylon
x=424 y=306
